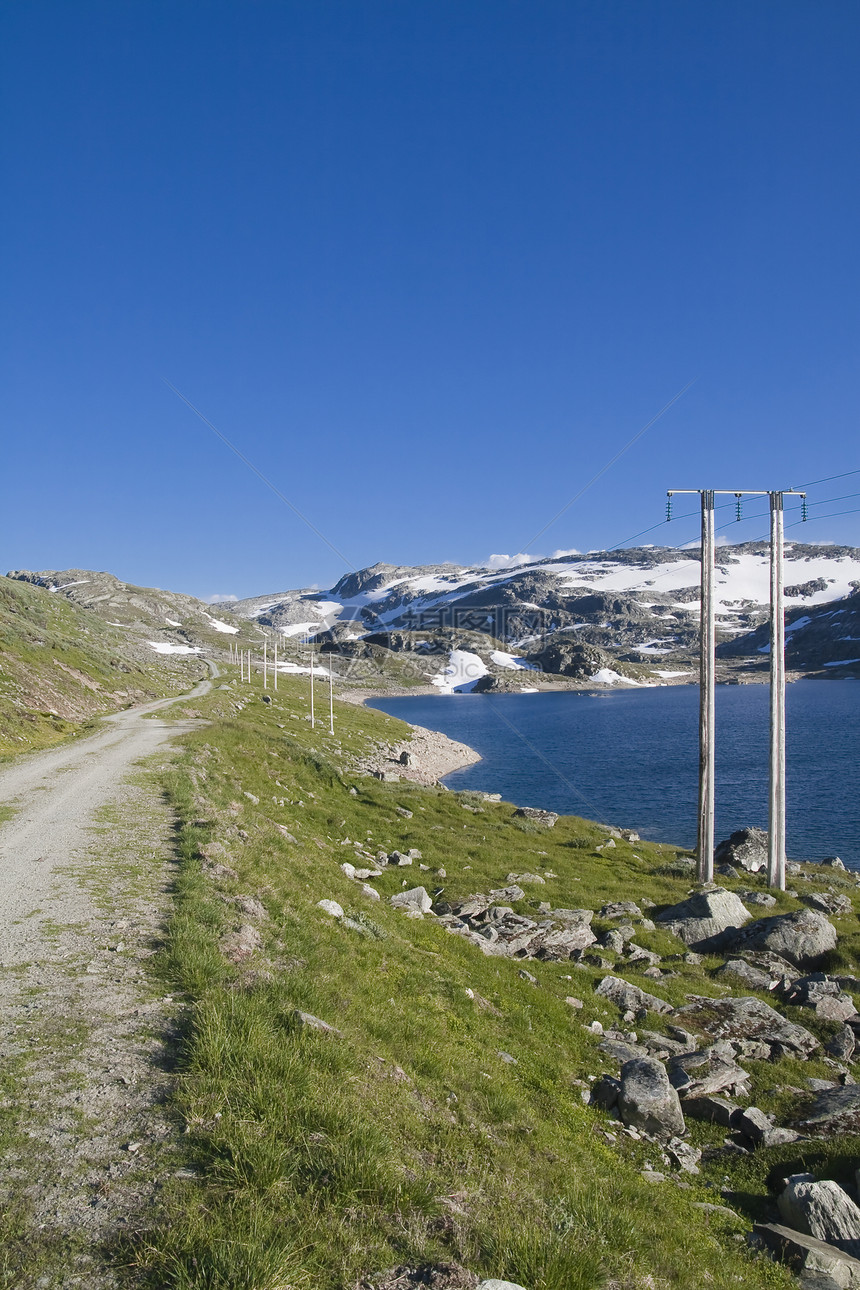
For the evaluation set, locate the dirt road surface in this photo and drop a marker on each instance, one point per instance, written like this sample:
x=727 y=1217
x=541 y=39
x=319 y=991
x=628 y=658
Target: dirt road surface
x=85 y=1037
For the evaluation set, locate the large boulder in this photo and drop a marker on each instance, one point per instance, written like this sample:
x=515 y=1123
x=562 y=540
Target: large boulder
x=745 y=849
x=804 y=937
x=821 y=1264
x=821 y=1209
x=707 y=920
x=647 y=1101
x=756 y=1029
x=629 y=998
x=414 y=901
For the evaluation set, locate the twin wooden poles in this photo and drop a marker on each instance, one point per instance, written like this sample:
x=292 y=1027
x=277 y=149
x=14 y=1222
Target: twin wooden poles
x=242 y=658
x=707 y=671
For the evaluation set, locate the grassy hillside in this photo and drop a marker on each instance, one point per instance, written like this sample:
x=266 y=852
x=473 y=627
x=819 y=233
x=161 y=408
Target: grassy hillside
x=62 y=665
x=444 y=1118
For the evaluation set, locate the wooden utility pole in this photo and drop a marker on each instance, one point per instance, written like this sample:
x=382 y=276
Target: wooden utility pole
x=276 y=664
x=265 y=664
x=776 y=814
x=707 y=674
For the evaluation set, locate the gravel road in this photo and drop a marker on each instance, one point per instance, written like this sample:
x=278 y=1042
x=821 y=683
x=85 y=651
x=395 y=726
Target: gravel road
x=85 y=1040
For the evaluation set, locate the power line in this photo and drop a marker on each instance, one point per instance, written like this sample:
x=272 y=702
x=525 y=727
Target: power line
x=827 y=479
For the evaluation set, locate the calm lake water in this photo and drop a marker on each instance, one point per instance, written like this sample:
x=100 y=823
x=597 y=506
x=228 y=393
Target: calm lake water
x=630 y=757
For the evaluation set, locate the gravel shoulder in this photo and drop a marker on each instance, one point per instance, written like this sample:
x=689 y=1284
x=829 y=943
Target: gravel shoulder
x=86 y=860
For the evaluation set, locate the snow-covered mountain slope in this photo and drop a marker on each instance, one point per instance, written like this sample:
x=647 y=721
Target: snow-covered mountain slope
x=643 y=601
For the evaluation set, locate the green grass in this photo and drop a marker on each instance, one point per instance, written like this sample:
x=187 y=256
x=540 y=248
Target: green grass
x=61 y=666
x=316 y=1158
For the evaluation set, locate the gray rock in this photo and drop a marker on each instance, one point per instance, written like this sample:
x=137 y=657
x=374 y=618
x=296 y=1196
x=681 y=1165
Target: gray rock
x=842 y=1045
x=306 y=1021
x=751 y=1020
x=714 y=1110
x=821 y=1209
x=546 y=818
x=520 y=878
x=804 y=937
x=752 y=1123
x=707 y=1072
x=369 y=892
x=414 y=899
x=621 y=1050
x=495 y=1284
x=612 y=940
x=629 y=997
x=745 y=849
x=404 y=812
x=754 y=978
x=823 y=995
x=620 y=909
x=647 y=1101
x=605 y=1092
x=565 y=941
x=834 y=1110
x=809 y=1255
x=707 y=920
x=832 y=862
x=399 y=858
x=757 y=898
x=330 y=907
x=828 y=902
x=571 y=915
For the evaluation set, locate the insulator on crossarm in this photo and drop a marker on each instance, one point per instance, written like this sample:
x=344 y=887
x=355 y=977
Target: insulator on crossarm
x=739 y=507
x=668 y=509
x=804 y=516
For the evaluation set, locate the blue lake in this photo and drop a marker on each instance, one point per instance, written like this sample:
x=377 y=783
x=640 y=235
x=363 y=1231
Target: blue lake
x=631 y=757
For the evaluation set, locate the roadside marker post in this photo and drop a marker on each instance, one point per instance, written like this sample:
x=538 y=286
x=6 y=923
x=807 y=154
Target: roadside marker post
x=265 y=664
x=707 y=676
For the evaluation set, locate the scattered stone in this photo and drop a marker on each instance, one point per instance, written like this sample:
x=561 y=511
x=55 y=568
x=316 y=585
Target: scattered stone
x=714 y=1110
x=829 y=902
x=647 y=1101
x=683 y=1156
x=804 y=937
x=821 y=1209
x=348 y=869
x=573 y=1002
x=612 y=940
x=754 y=978
x=757 y=898
x=401 y=810
x=627 y=996
x=527 y=976
x=495 y=1284
x=823 y=996
x=520 y=878
x=285 y=833
x=707 y=920
x=369 y=891
x=306 y=1021
x=759 y=1031
x=620 y=909
x=707 y=1072
x=842 y=1045
x=546 y=818
x=251 y=798
x=399 y=858
x=605 y=1092
x=508 y=1059
x=744 y=849
x=832 y=862
x=414 y=899
x=330 y=907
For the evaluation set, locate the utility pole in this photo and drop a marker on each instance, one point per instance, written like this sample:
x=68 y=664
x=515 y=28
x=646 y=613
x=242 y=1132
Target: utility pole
x=776 y=813
x=330 y=696
x=276 y=664
x=265 y=664
x=707 y=675
x=313 y=722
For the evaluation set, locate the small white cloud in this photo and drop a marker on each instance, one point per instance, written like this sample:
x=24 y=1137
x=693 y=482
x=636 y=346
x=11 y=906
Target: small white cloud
x=509 y=561
x=219 y=599
x=557 y=555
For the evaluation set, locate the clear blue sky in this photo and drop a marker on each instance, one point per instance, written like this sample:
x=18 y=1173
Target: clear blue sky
x=429 y=263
